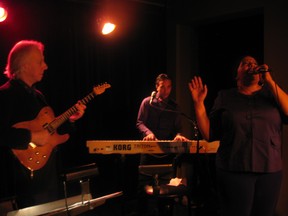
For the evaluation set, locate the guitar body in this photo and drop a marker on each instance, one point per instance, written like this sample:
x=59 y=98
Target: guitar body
x=35 y=157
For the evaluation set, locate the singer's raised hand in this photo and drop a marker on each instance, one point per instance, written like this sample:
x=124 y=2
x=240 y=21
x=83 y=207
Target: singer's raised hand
x=197 y=89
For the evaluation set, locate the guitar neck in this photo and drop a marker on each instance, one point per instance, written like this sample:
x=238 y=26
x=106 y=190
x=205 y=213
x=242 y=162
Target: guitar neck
x=53 y=125
x=58 y=121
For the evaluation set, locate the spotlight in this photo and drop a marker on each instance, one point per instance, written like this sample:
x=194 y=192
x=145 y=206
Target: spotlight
x=108 y=28
x=3 y=13
x=105 y=25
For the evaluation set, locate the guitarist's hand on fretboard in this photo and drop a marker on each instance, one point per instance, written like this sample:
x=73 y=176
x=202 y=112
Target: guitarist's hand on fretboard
x=80 y=111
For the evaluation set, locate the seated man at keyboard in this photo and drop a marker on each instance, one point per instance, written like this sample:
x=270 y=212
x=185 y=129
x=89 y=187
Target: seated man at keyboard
x=159 y=118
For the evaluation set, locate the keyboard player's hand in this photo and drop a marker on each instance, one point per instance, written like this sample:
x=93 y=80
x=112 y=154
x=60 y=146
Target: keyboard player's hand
x=150 y=137
x=181 y=138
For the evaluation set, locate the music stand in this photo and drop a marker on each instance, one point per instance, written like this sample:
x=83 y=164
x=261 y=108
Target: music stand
x=74 y=205
x=83 y=175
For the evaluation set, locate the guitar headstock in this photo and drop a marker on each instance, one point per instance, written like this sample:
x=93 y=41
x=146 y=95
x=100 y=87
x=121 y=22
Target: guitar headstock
x=99 y=89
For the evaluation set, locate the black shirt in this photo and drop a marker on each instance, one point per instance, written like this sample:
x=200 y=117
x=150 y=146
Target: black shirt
x=21 y=103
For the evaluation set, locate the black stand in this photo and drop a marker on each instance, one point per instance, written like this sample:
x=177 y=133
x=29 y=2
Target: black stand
x=202 y=173
x=196 y=175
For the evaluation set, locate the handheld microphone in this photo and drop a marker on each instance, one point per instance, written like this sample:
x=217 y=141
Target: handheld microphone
x=153 y=95
x=260 y=71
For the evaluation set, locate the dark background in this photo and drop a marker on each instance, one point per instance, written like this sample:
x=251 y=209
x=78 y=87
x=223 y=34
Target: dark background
x=79 y=58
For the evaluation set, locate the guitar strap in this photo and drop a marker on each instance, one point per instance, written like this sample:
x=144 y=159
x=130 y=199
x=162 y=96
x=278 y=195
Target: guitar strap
x=35 y=92
x=39 y=96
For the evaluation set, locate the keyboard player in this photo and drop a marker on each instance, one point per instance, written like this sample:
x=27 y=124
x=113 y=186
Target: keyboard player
x=159 y=119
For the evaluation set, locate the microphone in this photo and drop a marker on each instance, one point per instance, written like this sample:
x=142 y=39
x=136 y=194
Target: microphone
x=260 y=71
x=153 y=95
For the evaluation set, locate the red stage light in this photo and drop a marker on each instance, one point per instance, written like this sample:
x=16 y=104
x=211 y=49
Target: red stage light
x=3 y=14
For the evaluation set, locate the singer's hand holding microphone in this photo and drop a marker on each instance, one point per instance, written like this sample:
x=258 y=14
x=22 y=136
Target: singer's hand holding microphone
x=265 y=71
x=261 y=69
